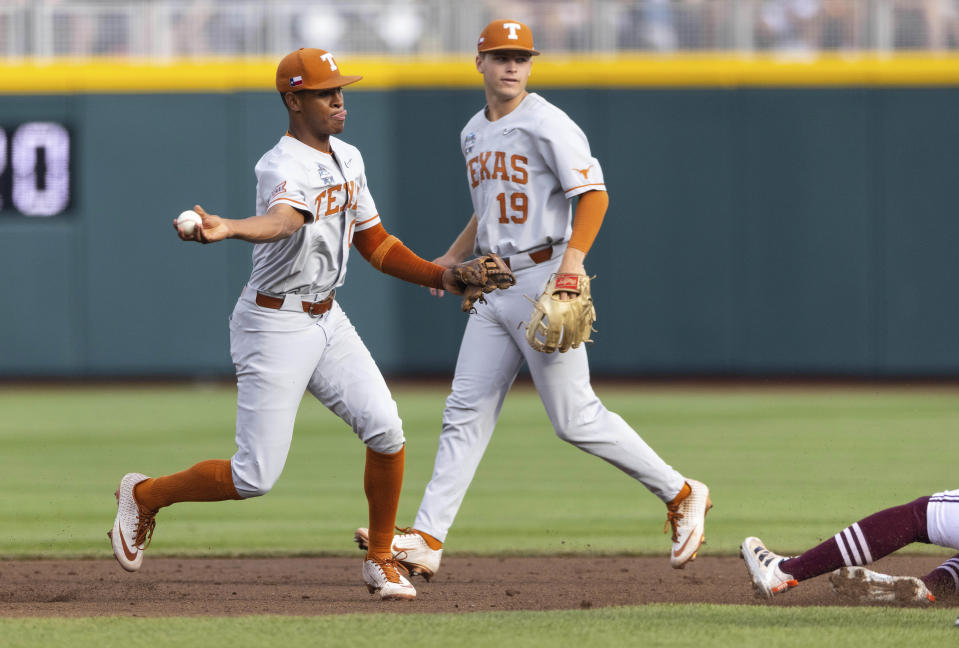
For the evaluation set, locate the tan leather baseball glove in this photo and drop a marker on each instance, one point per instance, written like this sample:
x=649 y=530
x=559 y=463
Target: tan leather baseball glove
x=558 y=324
x=482 y=275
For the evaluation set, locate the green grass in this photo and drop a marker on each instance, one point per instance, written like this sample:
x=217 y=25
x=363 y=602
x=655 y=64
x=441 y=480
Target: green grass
x=792 y=466
x=653 y=625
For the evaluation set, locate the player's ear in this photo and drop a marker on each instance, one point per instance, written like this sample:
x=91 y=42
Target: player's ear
x=291 y=101
x=479 y=62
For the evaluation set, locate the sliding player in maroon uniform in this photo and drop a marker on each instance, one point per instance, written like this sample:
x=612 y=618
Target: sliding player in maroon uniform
x=932 y=520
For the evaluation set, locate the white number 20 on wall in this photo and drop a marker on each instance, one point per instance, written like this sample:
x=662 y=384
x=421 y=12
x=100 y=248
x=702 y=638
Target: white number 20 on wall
x=38 y=159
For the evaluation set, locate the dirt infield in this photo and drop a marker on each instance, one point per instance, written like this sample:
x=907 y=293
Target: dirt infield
x=318 y=586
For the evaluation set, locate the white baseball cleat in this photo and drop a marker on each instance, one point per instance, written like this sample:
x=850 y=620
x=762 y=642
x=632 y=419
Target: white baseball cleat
x=383 y=577
x=688 y=520
x=861 y=584
x=763 y=566
x=132 y=528
x=410 y=550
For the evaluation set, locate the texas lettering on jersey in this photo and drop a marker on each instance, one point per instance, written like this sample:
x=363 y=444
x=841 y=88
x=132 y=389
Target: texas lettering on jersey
x=336 y=198
x=492 y=165
x=523 y=170
x=330 y=200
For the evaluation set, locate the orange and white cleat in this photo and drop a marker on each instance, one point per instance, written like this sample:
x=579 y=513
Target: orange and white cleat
x=688 y=520
x=383 y=578
x=409 y=549
x=132 y=528
x=763 y=566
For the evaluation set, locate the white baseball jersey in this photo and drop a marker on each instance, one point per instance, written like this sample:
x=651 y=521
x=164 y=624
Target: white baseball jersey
x=281 y=352
x=331 y=192
x=522 y=170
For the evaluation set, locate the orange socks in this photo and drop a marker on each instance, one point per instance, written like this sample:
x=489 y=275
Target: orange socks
x=207 y=481
x=382 y=481
x=212 y=481
x=683 y=494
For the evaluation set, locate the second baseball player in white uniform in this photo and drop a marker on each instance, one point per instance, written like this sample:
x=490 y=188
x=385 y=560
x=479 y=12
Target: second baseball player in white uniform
x=525 y=161
x=288 y=335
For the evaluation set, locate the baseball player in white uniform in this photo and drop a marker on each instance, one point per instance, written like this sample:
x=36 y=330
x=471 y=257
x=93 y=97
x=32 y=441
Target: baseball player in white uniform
x=288 y=334
x=525 y=162
x=933 y=519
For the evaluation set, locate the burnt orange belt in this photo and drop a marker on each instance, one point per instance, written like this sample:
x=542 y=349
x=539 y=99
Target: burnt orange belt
x=539 y=256
x=313 y=308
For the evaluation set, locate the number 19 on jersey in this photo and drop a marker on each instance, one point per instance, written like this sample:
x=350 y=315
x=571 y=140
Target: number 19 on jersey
x=516 y=211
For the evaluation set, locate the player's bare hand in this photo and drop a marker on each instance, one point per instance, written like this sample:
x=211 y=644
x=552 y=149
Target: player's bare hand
x=213 y=228
x=179 y=232
x=446 y=261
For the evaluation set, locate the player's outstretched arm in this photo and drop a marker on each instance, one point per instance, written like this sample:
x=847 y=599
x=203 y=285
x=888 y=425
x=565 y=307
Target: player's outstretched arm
x=387 y=254
x=278 y=223
x=471 y=279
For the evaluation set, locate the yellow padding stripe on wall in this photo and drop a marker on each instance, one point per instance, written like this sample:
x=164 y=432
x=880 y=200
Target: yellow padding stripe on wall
x=555 y=71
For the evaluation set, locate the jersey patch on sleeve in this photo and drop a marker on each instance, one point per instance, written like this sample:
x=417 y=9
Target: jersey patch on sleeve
x=584 y=172
x=277 y=190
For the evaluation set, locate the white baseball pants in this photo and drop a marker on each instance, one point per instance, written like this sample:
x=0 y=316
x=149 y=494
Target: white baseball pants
x=279 y=354
x=942 y=519
x=492 y=352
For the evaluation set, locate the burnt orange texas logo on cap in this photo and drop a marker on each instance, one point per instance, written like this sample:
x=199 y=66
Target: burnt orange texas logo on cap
x=506 y=35
x=310 y=69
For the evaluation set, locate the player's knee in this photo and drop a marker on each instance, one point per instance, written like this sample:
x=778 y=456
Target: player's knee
x=254 y=491
x=389 y=442
x=250 y=490
x=463 y=410
x=572 y=431
x=381 y=433
x=252 y=483
x=566 y=432
x=581 y=424
x=473 y=392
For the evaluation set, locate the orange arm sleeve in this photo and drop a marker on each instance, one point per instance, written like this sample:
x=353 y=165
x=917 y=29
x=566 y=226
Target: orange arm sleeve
x=387 y=254
x=588 y=218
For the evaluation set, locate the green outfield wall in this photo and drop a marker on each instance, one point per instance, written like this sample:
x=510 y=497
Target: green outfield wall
x=752 y=229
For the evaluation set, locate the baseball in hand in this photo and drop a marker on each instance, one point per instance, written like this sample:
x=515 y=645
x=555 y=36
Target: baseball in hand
x=187 y=222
